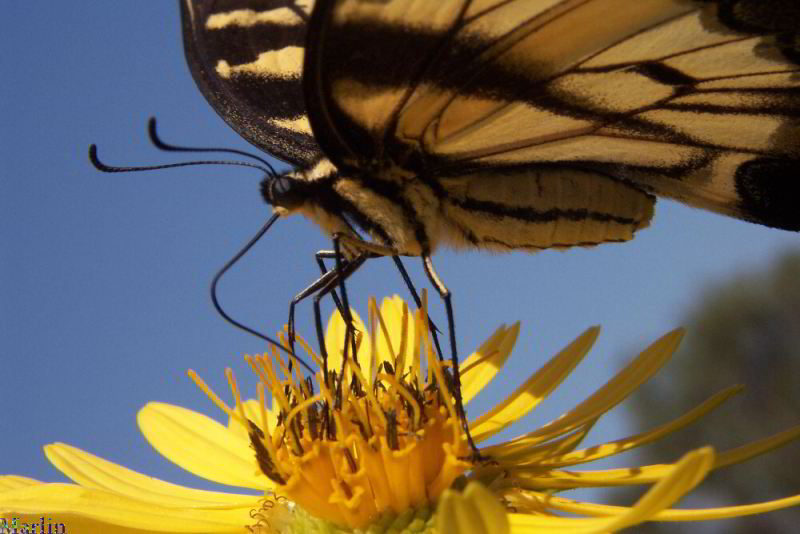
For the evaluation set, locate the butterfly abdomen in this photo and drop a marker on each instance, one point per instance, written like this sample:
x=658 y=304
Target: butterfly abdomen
x=544 y=208
x=550 y=207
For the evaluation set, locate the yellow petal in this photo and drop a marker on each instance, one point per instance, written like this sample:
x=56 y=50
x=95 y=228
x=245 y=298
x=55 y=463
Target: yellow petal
x=680 y=479
x=201 y=446
x=616 y=447
x=703 y=514
x=392 y=313
x=67 y=502
x=612 y=393
x=511 y=455
x=334 y=342
x=94 y=472
x=527 y=396
x=252 y=411
x=476 y=511
x=9 y=482
x=483 y=364
x=685 y=475
x=745 y=452
x=547 y=479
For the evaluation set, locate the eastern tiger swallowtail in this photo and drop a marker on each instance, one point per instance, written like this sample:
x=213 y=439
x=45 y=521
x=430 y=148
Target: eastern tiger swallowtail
x=508 y=124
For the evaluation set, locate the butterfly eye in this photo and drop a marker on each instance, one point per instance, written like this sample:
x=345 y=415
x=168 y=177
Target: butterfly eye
x=283 y=192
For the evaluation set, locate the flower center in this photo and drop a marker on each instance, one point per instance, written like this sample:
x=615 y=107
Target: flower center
x=351 y=446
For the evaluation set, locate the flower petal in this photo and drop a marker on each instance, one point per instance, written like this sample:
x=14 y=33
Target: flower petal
x=476 y=511
x=684 y=476
x=539 y=477
x=90 y=510
x=745 y=452
x=680 y=479
x=91 y=471
x=9 y=482
x=483 y=364
x=511 y=455
x=543 y=479
x=527 y=396
x=616 y=447
x=704 y=514
x=201 y=446
x=392 y=313
x=612 y=393
x=252 y=410
x=334 y=342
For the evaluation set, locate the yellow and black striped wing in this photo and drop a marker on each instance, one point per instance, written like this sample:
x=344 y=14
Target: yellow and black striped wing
x=693 y=100
x=246 y=56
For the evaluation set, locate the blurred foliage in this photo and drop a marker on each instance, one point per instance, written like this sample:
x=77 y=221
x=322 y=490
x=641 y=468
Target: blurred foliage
x=742 y=331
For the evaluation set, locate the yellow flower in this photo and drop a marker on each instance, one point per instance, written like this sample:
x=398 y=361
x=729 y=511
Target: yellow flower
x=378 y=447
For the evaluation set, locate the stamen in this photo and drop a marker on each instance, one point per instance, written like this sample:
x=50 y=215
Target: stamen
x=256 y=363
x=434 y=365
x=323 y=388
x=385 y=333
x=266 y=439
x=300 y=407
x=406 y=395
x=370 y=395
x=400 y=364
x=214 y=398
x=277 y=391
x=285 y=369
x=417 y=364
x=306 y=347
x=373 y=339
x=236 y=396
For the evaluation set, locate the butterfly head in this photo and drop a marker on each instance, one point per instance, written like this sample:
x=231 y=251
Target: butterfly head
x=284 y=192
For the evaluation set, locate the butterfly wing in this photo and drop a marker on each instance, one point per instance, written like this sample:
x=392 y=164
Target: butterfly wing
x=694 y=100
x=246 y=56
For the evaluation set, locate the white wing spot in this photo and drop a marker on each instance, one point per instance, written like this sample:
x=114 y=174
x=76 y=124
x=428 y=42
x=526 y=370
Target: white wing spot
x=299 y=124
x=284 y=63
x=247 y=17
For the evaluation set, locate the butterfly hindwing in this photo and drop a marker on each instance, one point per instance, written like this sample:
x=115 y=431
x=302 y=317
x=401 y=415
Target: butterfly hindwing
x=694 y=100
x=246 y=56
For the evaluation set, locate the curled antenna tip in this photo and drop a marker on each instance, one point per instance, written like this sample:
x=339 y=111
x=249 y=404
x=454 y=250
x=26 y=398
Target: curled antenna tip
x=152 y=133
x=96 y=163
x=151 y=128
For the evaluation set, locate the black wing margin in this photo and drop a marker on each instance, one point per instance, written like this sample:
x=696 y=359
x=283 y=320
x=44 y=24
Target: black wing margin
x=246 y=58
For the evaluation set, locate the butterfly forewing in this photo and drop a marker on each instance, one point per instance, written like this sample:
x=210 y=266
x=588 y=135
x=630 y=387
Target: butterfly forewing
x=698 y=101
x=246 y=56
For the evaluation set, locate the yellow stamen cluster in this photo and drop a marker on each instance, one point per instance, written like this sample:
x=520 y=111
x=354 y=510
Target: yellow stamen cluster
x=362 y=445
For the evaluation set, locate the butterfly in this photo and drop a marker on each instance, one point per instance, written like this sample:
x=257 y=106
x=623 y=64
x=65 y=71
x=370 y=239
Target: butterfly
x=508 y=124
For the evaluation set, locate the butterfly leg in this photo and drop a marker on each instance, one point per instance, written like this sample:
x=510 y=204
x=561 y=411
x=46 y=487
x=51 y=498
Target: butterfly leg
x=348 y=318
x=436 y=281
x=321 y=287
x=380 y=250
x=323 y=255
x=330 y=254
x=318 y=285
x=410 y=285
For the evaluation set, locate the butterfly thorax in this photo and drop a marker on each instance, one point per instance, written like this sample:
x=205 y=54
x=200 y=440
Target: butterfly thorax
x=361 y=206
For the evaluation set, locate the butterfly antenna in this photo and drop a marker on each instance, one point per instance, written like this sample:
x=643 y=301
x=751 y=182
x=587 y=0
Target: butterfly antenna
x=100 y=166
x=161 y=145
x=233 y=321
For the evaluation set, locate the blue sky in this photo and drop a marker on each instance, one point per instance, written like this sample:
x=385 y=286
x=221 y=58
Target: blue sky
x=104 y=278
